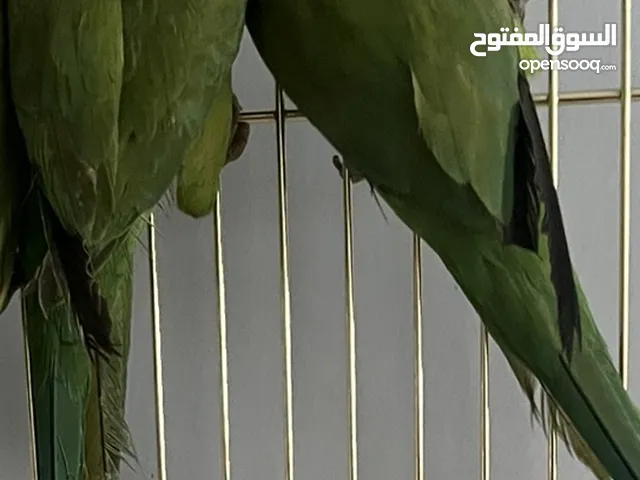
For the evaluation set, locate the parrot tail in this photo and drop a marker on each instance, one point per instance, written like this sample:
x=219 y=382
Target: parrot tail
x=523 y=290
x=510 y=289
x=60 y=373
x=89 y=304
x=79 y=398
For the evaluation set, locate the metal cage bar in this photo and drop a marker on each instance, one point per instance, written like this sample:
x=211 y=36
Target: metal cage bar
x=33 y=459
x=350 y=317
x=583 y=97
x=419 y=471
x=225 y=442
x=485 y=413
x=553 y=105
x=286 y=291
x=625 y=190
x=161 y=443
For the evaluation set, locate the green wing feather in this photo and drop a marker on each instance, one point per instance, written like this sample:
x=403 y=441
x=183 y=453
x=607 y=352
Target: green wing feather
x=111 y=99
x=66 y=83
x=458 y=106
x=119 y=99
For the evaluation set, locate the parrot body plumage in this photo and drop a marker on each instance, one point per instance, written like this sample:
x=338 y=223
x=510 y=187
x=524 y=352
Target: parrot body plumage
x=107 y=104
x=453 y=144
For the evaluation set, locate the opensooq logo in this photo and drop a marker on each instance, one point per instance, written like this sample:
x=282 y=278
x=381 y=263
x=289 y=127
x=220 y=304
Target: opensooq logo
x=555 y=43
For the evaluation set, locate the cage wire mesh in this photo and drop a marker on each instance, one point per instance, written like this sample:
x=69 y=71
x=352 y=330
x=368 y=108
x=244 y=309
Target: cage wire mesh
x=281 y=117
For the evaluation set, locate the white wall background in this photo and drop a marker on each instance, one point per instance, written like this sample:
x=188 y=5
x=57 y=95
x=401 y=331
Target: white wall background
x=589 y=172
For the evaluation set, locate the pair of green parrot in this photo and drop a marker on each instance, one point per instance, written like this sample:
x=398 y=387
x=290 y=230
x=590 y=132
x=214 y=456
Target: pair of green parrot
x=105 y=103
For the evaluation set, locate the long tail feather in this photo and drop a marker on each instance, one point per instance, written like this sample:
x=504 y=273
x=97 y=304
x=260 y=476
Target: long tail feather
x=79 y=400
x=552 y=418
x=108 y=440
x=60 y=373
x=86 y=298
x=510 y=289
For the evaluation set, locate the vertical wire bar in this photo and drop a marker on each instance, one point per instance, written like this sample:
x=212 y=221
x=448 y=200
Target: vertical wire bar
x=33 y=458
x=161 y=443
x=554 y=92
x=352 y=390
x=485 y=413
x=625 y=191
x=419 y=365
x=222 y=342
x=552 y=447
x=286 y=293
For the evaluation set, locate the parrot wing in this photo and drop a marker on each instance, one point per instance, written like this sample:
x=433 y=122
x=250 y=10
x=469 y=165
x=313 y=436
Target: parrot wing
x=66 y=83
x=474 y=122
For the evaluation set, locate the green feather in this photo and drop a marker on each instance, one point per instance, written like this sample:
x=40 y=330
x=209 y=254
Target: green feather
x=107 y=438
x=60 y=371
x=458 y=107
x=66 y=84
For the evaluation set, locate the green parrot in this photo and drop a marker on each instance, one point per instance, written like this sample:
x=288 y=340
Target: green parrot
x=452 y=143
x=104 y=105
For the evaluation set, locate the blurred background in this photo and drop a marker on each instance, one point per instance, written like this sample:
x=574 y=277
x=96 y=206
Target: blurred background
x=589 y=166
